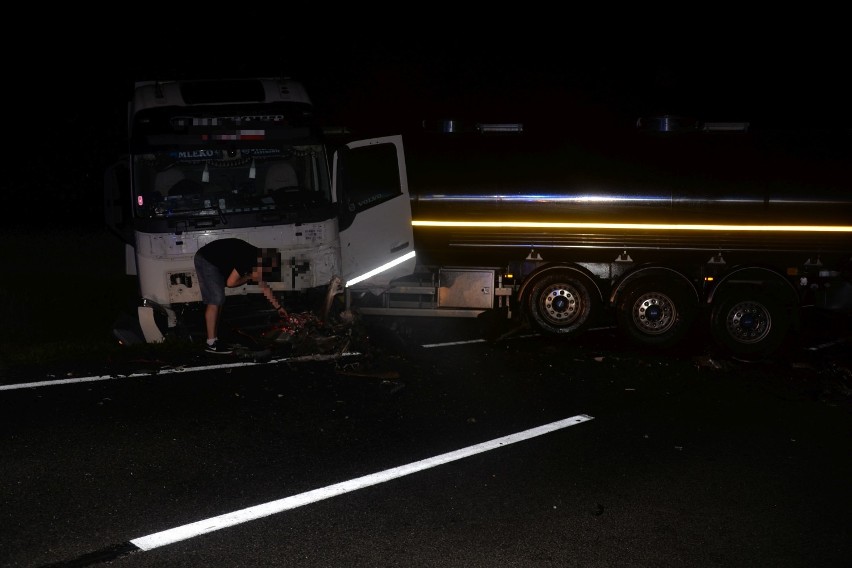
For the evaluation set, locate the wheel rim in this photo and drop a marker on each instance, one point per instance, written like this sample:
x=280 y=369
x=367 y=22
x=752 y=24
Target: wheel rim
x=748 y=322
x=561 y=304
x=654 y=313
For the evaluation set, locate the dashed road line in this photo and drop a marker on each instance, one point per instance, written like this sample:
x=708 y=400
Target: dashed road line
x=191 y=530
x=174 y=370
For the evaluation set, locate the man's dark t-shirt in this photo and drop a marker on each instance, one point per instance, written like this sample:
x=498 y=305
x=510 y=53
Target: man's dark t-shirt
x=230 y=254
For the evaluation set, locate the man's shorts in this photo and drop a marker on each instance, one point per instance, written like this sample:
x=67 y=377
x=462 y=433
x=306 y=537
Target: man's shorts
x=211 y=281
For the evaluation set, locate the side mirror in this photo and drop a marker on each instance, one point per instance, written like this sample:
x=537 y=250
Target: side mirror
x=118 y=212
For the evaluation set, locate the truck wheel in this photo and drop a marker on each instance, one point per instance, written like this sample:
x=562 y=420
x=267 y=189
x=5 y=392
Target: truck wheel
x=748 y=325
x=655 y=313
x=562 y=303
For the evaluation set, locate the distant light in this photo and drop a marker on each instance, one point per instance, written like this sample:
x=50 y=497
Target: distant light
x=336 y=130
x=501 y=127
x=140 y=201
x=725 y=126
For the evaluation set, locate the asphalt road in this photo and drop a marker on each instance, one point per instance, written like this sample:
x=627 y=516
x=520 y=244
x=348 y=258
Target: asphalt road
x=436 y=448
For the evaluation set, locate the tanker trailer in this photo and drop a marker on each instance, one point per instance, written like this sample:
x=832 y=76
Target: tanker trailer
x=654 y=231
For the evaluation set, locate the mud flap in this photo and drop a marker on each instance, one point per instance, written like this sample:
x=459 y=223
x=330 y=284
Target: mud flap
x=127 y=330
x=150 y=330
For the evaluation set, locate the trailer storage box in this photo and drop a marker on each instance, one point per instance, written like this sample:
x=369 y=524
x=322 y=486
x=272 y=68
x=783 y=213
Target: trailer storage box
x=465 y=288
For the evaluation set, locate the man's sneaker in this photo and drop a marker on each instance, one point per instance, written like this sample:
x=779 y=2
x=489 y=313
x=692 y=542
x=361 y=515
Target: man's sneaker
x=217 y=348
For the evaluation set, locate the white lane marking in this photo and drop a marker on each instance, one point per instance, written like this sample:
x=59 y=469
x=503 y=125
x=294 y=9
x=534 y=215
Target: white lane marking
x=448 y=343
x=523 y=336
x=830 y=344
x=469 y=341
x=170 y=371
x=198 y=528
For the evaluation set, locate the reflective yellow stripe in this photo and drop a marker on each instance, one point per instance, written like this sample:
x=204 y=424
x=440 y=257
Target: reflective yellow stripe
x=636 y=226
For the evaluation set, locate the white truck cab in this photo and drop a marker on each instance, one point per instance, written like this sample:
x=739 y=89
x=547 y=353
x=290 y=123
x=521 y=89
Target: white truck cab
x=244 y=158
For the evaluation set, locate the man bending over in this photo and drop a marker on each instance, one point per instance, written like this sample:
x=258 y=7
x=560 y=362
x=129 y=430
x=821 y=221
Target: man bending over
x=231 y=263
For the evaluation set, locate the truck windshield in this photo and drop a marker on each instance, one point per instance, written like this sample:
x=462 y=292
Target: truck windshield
x=226 y=181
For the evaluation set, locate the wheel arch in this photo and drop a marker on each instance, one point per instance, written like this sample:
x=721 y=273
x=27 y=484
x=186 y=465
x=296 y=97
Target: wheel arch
x=765 y=277
x=651 y=271
x=532 y=277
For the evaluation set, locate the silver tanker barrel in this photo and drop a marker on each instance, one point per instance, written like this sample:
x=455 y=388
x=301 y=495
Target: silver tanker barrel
x=701 y=189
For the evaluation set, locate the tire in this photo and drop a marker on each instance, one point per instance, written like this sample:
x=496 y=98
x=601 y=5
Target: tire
x=562 y=303
x=657 y=313
x=749 y=325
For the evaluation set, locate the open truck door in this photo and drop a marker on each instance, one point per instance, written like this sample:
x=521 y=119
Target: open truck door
x=371 y=189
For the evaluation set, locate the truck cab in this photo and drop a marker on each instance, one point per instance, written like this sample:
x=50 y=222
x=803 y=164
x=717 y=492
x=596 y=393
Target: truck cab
x=245 y=158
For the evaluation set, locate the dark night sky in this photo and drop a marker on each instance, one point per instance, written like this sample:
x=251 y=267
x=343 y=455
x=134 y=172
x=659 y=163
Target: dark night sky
x=404 y=60
x=560 y=68
x=779 y=81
